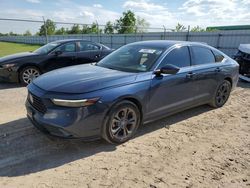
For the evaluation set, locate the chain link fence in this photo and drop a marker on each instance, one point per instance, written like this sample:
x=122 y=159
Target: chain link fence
x=226 y=41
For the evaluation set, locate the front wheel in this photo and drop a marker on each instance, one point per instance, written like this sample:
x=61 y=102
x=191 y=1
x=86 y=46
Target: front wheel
x=28 y=74
x=122 y=123
x=222 y=94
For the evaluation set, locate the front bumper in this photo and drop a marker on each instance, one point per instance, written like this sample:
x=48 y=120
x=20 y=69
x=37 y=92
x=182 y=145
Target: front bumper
x=8 y=75
x=66 y=122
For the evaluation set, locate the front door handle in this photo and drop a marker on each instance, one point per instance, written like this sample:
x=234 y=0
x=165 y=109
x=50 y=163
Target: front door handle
x=97 y=56
x=218 y=69
x=190 y=75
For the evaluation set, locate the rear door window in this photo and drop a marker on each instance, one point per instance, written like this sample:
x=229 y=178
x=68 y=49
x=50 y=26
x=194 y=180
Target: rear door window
x=179 y=57
x=202 y=55
x=69 y=47
x=87 y=46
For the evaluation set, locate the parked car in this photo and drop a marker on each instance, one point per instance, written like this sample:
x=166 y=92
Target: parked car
x=25 y=67
x=243 y=58
x=138 y=83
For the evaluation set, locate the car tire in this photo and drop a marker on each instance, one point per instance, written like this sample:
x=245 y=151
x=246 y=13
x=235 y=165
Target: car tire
x=221 y=95
x=28 y=74
x=121 y=123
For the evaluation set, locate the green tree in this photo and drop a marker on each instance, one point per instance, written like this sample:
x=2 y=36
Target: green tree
x=141 y=25
x=12 y=34
x=109 y=28
x=86 y=29
x=94 y=28
x=210 y=29
x=179 y=27
x=197 y=29
x=50 y=26
x=27 y=33
x=126 y=23
x=61 y=31
x=75 y=29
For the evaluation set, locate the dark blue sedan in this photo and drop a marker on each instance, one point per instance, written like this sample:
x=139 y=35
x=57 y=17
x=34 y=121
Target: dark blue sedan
x=136 y=84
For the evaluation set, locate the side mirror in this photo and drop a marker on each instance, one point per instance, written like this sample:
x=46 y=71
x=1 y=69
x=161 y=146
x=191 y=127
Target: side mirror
x=57 y=53
x=167 y=69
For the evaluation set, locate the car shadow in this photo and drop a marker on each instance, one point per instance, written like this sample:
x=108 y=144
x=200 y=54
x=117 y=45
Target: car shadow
x=4 y=85
x=25 y=150
x=243 y=84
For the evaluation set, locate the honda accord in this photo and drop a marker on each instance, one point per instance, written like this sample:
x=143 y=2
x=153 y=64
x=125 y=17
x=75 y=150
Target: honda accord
x=136 y=84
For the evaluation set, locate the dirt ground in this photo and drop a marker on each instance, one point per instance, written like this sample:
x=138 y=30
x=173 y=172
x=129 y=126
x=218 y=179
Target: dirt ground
x=201 y=147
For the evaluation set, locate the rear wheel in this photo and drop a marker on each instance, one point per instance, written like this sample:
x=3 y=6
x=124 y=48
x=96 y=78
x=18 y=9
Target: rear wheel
x=222 y=94
x=122 y=123
x=28 y=74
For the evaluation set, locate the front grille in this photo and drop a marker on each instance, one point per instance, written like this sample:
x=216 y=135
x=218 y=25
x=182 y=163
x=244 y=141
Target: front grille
x=37 y=103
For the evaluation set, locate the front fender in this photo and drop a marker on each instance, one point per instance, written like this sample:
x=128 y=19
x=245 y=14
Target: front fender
x=136 y=91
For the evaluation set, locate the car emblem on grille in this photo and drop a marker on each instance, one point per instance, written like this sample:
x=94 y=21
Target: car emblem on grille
x=31 y=98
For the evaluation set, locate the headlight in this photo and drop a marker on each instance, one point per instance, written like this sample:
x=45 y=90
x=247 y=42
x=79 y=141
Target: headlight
x=6 y=66
x=75 y=103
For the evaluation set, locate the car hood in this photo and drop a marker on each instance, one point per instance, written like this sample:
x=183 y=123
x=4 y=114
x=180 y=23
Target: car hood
x=16 y=56
x=83 y=79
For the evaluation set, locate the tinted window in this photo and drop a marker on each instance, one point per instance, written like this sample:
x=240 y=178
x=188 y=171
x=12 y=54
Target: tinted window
x=179 y=57
x=47 y=48
x=218 y=56
x=70 y=47
x=132 y=58
x=85 y=46
x=202 y=55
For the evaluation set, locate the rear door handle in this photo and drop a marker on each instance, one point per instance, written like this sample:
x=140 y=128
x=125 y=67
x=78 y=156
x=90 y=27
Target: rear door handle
x=218 y=69
x=190 y=75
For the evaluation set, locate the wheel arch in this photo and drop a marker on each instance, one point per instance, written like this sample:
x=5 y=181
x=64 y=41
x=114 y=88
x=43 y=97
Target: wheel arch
x=230 y=80
x=27 y=65
x=136 y=102
x=132 y=99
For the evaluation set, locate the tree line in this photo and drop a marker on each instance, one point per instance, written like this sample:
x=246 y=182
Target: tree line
x=127 y=23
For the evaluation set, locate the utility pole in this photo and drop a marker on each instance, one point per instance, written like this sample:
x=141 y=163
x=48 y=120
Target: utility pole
x=98 y=32
x=187 y=36
x=46 y=33
x=165 y=30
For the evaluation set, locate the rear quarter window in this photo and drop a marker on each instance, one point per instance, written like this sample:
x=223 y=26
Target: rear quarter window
x=202 y=55
x=218 y=56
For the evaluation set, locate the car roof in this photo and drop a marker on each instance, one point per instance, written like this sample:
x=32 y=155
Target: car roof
x=70 y=40
x=79 y=40
x=166 y=43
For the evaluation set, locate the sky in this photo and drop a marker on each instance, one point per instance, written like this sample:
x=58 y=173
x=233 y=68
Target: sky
x=158 y=13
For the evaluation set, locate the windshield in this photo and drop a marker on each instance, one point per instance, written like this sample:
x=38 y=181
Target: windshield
x=47 y=48
x=132 y=58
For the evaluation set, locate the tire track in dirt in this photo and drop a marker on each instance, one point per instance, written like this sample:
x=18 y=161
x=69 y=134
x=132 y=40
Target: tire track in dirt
x=201 y=147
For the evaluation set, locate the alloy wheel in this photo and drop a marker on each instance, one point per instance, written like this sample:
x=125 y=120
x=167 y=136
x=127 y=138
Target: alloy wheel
x=123 y=123
x=29 y=75
x=223 y=93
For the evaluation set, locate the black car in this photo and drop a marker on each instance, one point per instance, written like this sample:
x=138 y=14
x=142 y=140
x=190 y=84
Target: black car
x=24 y=67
